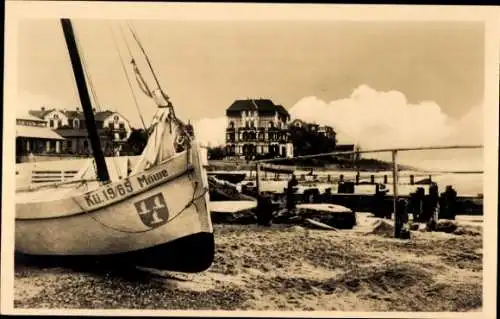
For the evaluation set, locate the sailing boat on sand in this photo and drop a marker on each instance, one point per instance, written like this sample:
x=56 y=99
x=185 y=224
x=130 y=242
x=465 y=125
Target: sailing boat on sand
x=156 y=217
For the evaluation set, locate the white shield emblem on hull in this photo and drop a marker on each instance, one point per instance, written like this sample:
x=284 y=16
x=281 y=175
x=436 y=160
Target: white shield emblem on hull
x=153 y=210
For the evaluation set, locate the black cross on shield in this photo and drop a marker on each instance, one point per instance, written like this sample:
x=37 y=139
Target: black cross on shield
x=153 y=210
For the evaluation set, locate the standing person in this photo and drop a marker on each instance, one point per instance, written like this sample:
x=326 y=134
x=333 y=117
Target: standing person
x=290 y=190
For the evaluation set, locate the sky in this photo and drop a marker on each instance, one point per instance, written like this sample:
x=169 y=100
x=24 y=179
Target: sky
x=379 y=84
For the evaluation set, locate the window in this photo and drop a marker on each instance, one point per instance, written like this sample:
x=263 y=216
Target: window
x=76 y=123
x=271 y=124
x=59 y=123
x=51 y=123
x=122 y=125
x=231 y=124
x=111 y=126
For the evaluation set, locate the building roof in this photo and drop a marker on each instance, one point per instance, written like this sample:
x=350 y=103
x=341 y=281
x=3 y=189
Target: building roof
x=282 y=110
x=37 y=132
x=74 y=114
x=40 y=113
x=99 y=116
x=102 y=115
x=261 y=105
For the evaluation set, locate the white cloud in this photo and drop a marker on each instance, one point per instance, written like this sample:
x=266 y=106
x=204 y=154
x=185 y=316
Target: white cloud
x=374 y=119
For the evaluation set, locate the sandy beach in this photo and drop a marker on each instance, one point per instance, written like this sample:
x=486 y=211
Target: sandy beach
x=286 y=268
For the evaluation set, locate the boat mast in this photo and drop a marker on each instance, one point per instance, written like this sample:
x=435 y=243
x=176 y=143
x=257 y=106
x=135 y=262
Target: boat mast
x=102 y=170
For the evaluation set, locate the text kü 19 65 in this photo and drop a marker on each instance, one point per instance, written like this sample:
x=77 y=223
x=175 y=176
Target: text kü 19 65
x=109 y=193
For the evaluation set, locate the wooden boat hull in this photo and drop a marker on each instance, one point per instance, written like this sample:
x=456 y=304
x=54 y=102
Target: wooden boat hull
x=158 y=218
x=175 y=255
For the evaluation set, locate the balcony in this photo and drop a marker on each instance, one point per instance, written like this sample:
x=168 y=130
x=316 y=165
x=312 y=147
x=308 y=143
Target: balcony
x=247 y=129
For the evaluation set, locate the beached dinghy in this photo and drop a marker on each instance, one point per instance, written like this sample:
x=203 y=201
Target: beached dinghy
x=156 y=217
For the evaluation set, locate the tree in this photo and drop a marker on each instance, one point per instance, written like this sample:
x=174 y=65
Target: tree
x=216 y=153
x=307 y=142
x=137 y=141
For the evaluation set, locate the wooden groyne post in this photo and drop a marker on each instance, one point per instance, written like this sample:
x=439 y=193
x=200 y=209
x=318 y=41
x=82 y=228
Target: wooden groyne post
x=397 y=221
x=257 y=178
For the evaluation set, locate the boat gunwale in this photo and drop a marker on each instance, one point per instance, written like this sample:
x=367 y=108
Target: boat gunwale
x=188 y=169
x=30 y=188
x=152 y=187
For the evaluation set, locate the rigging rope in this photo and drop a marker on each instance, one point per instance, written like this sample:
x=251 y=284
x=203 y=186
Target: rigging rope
x=126 y=75
x=165 y=96
x=145 y=55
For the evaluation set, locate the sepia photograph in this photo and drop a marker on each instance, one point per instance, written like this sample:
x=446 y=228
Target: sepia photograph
x=251 y=158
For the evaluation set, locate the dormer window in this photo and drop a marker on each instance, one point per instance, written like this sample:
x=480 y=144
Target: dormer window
x=76 y=123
